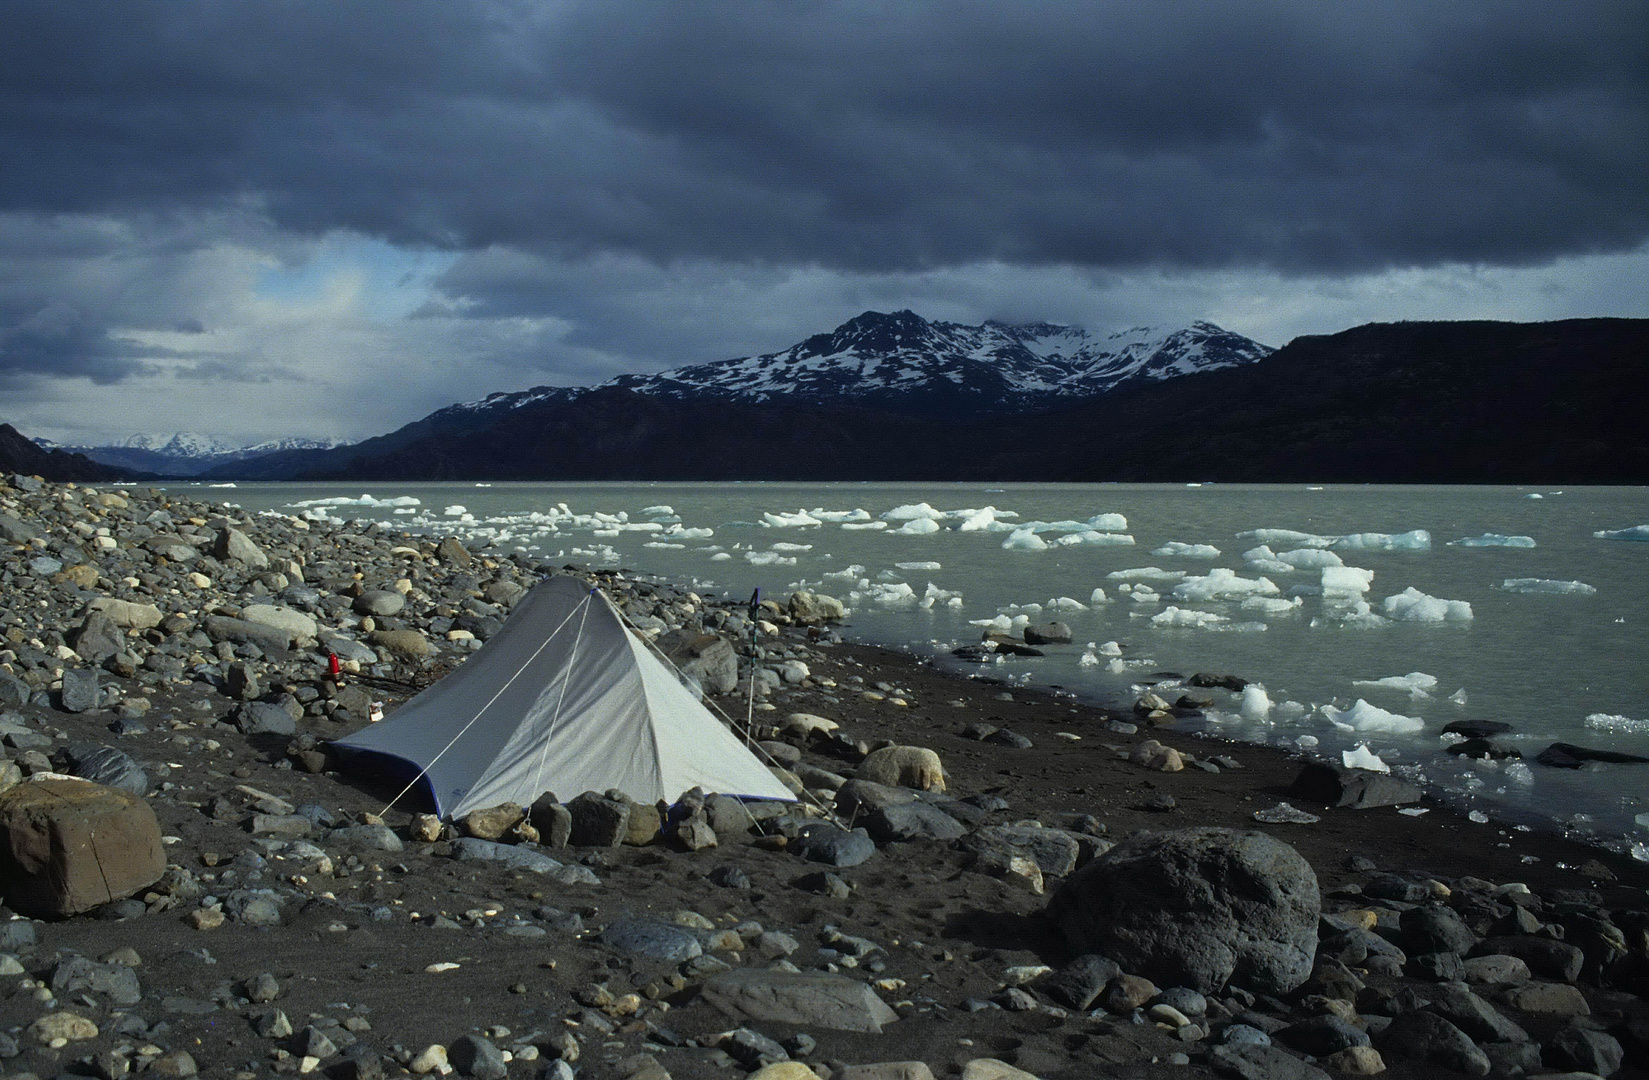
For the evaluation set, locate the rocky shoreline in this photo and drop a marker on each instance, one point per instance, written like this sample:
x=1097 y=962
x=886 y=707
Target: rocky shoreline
x=1027 y=883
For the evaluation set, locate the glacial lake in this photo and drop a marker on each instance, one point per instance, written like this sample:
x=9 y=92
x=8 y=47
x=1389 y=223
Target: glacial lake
x=1325 y=596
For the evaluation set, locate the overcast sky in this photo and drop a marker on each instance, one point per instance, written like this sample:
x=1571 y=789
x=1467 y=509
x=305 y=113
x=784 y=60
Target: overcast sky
x=326 y=219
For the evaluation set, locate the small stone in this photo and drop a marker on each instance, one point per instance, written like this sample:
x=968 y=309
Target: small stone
x=178 y=1063
x=1128 y=992
x=475 y=1056
x=432 y=1058
x=262 y=988
x=206 y=918
x=62 y=1025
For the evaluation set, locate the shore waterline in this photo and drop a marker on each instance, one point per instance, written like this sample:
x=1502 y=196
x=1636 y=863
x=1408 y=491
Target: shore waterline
x=1560 y=656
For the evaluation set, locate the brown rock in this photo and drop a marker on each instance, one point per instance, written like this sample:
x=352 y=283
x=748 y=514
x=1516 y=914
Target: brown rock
x=493 y=822
x=644 y=825
x=68 y=846
x=425 y=828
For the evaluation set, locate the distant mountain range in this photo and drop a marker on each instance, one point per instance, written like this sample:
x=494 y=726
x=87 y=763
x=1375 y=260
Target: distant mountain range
x=895 y=397
x=184 y=453
x=903 y=363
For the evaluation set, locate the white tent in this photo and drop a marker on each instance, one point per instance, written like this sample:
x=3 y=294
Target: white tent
x=564 y=698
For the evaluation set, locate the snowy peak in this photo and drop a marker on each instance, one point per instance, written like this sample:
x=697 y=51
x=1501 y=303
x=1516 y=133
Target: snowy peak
x=185 y=453
x=901 y=362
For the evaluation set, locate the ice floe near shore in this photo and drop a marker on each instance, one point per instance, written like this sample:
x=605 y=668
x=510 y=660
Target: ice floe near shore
x=1545 y=587
x=1365 y=717
x=1494 y=540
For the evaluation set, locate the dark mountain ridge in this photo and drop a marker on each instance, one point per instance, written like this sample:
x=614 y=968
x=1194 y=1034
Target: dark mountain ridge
x=19 y=454
x=1445 y=402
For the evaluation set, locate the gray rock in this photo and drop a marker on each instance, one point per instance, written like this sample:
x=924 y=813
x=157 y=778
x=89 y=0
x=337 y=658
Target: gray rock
x=752 y=1049
x=81 y=692
x=1197 y=908
x=913 y=821
x=1250 y=1061
x=1323 y=1035
x=475 y=1056
x=13 y=530
x=1055 y=851
x=254 y=907
x=105 y=765
x=44 y=566
x=1357 y=789
x=379 y=602
x=804 y=999
x=833 y=846
x=708 y=659
x=239 y=631
x=1434 y=928
x=1079 y=983
x=654 y=940
x=1548 y=959
x=1456 y=1003
x=232 y=545
x=1428 y=1037
x=264 y=718
x=470 y=849
x=1048 y=633
x=13 y=691
x=375 y=837
x=858 y=799
x=1584 y=1050
x=97 y=638
x=598 y=821
x=78 y=975
x=553 y=821
x=262 y=988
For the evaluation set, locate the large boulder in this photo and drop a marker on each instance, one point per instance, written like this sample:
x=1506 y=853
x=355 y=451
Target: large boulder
x=97 y=638
x=1356 y=789
x=67 y=846
x=707 y=658
x=1198 y=908
x=297 y=626
x=125 y=614
x=407 y=644
x=798 y=998
x=232 y=545
x=810 y=608
x=241 y=632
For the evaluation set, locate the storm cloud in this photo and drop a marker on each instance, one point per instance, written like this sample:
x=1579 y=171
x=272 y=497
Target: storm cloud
x=610 y=186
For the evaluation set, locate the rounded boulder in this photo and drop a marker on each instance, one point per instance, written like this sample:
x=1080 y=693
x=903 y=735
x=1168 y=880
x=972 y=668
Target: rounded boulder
x=1197 y=908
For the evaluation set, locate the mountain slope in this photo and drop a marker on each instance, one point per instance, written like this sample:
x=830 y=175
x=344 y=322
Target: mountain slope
x=1471 y=402
x=184 y=453
x=20 y=454
x=901 y=362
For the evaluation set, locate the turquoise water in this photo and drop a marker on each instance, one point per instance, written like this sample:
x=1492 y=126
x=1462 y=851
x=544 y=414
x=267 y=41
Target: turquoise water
x=1565 y=666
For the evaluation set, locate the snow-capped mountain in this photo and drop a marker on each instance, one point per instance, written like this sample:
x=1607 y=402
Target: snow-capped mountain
x=184 y=453
x=905 y=363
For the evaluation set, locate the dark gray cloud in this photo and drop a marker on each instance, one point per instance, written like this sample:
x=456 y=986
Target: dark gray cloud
x=1296 y=135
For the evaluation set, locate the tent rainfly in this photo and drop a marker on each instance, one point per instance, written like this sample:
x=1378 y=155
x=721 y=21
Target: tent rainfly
x=564 y=698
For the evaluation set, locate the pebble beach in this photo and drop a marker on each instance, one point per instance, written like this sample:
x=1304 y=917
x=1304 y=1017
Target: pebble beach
x=1077 y=890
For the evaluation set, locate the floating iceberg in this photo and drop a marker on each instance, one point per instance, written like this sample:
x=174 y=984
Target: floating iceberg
x=768 y=558
x=1142 y=594
x=660 y=510
x=916 y=527
x=888 y=596
x=1346 y=581
x=1412 y=605
x=1363 y=758
x=1272 y=605
x=1066 y=603
x=1494 y=540
x=792 y=547
x=1187 y=551
x=1110 y=648
x=1365 y=717
x=917 y=566
x=838 y=516
x=1636 y=532
x=1223 y=584
x=782 y=520
x=1175 y=616
x=1310 y=558
x=1548 y=588
x=364 y=500
x=1415 y=683
x=1286 y=536
x=661 y=544
x=1417 y=540
x=1096 y=539
x=1256 y=703
x=1098 y=597
x=864 y=526
x=935 y=595
x=913 y=512
x=1146 y=573
x=1617 y=723
x=1024 y=540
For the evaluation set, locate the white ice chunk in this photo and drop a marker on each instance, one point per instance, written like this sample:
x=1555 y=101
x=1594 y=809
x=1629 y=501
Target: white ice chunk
x=1223 y=584
x=1186 y=617
x=1364 y=758
x=913 y=512
x=838 y=516
x=1256 y=704
x=1286 y=536
x=1365 y=717
x=916 y=527
x=1614 y=722
x=935 y=595
x=1098 y=597
x=659 y=511
x=1024 y=540
x=1272 y=605
x=1310 y=558
x=661 y=544
x=1095 y=539
x=1494 y=540
x=1547 y=587
x=768 y=558
x=782 y=520
x=1187 y=551
x=1143 y=595
x=917 y=566
x=455 y=510
x=864 y=526
x=1636 y=532
x=1066 y=603
x=1000 y=622
x=1146 y=573
x=1346 y=581
x=1089 y=658
x=792 y=547
x=1415 y=540
x=1415 y=683
x=1412 y=605
x=1110 y=648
